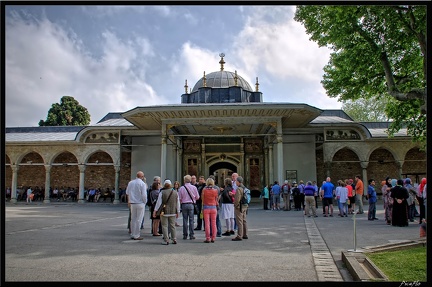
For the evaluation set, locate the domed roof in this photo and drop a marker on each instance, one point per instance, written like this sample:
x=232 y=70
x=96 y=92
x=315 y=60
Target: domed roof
x=222 y=79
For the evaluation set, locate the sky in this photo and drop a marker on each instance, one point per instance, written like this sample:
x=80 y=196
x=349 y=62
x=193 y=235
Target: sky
x=117 y=58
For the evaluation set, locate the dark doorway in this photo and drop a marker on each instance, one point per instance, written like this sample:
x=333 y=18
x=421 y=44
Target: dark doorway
x=222 y=170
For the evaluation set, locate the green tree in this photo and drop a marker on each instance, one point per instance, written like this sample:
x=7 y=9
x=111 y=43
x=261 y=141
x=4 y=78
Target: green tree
x=68 y=113
x=368 y=109
x=376 y=50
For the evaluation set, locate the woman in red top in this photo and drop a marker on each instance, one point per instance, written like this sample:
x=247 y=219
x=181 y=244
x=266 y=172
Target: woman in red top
x=351 y=197
x=210 y=202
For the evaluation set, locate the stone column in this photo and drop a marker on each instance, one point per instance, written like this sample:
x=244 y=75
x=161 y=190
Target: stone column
x=266 y=165
x=15 y=169
x=279 y=166
x=202 y=166
x=82 y=168
x=116 y=184
x=400 y=164
x=163 y=155
x=47 y=183
x=364 y=165
x=179 y=163
x=271 y=177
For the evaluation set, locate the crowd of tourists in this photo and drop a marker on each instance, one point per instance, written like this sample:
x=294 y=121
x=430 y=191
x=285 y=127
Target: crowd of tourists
x=400 y=198
x=202 y=199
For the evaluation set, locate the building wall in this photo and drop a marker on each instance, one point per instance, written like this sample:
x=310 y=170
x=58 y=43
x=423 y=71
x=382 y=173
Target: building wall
x=299 y=155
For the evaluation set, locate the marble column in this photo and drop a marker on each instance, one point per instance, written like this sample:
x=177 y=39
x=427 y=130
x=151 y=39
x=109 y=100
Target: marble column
x=364 y=165
x=82 y=168
x=47 y=183
x=179 y=162
x=15 y=169
x=400 y=164
x=280 y=156
x=116 y=184
x=163 y=152
x=266 y=164
x=271 y=176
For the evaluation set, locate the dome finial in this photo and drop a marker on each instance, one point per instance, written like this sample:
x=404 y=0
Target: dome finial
x=235 y=78
x=256 y=85
x=186 y=87
x=222 y=62
x=204 y=80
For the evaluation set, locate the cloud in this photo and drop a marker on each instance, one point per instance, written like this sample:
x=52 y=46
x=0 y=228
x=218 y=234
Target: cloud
x=45 y=62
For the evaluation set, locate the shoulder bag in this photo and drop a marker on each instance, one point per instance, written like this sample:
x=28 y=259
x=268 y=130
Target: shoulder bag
x=193 y=201
x=161 y=210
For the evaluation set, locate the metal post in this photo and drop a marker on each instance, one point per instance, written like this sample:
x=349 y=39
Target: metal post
x=355 y=236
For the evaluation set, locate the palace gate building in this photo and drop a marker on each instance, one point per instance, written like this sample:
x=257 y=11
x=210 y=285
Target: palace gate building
x=221 y=126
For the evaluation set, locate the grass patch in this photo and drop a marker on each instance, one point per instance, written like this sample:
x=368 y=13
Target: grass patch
x=407 y=265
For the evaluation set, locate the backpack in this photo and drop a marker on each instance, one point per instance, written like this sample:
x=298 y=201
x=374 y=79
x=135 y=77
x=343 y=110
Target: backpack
x=149 y=201
x=246 y=196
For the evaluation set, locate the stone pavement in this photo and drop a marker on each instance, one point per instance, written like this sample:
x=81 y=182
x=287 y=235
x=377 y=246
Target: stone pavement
x=89 y=242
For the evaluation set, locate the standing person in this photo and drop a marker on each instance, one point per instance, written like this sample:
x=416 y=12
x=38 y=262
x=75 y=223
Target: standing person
x=137 y=198
x=309 y=192
x=276 y=195
x=420 y=199
x=210 y=202
x=8 y=193
x=327 y=194
x=29 y=195
x=351 y=197
x=412 y=192
x=372 y=197
x=388 y=200
x=316 y=193
x=322 y=199
x=188 y=196
x=218 y=223
x=359 y=193
x=301 y=187
x=271 y=196
x=153 y=197
x=201 y=185
x=168 y=196
x=176 y=187
x=240 y=211
x=342 y=197
x=286 y=190
x=265 y=197
x=296 y=196
x=234 y=186
x=227 y=210
x=400 y=206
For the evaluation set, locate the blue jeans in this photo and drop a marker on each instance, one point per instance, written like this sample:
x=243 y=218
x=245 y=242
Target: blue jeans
x=188 y=219
x=372 y=210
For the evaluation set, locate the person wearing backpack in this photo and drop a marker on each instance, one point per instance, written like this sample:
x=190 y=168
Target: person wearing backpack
x=240 y=210
x=286 y=192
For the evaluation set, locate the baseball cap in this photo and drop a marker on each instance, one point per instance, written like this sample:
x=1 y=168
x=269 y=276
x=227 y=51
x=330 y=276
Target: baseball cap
x=167 y=181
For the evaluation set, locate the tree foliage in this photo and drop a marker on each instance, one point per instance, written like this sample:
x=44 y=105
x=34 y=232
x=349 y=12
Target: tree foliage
x=368 y=109
x=68 y=113
x=377 y=50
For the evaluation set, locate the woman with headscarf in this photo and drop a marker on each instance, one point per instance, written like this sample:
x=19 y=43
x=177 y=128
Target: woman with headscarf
x=387 y=199
x=412 y=192
x=400 y=206
x=420 y=199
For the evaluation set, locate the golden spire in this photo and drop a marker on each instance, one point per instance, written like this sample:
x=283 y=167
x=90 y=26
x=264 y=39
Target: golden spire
x=222 y=62
x=204 y=80
x=256 y=85
x=186 y=87
x=235 y=78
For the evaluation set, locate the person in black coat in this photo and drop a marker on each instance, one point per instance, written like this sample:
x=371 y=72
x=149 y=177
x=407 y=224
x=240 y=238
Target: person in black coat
x=400 y=205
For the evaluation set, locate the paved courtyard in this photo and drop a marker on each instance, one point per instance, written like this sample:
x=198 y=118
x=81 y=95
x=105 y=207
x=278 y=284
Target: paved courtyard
x=90 y=242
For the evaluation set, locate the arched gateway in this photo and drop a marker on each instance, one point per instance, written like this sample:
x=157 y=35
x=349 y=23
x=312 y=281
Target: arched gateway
x=221 y=126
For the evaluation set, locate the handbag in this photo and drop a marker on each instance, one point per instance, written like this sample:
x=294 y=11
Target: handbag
x=194 y=204
x=161 y=210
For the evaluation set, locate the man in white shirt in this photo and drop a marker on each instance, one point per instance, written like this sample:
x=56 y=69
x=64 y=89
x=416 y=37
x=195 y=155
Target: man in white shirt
x=137 y=198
